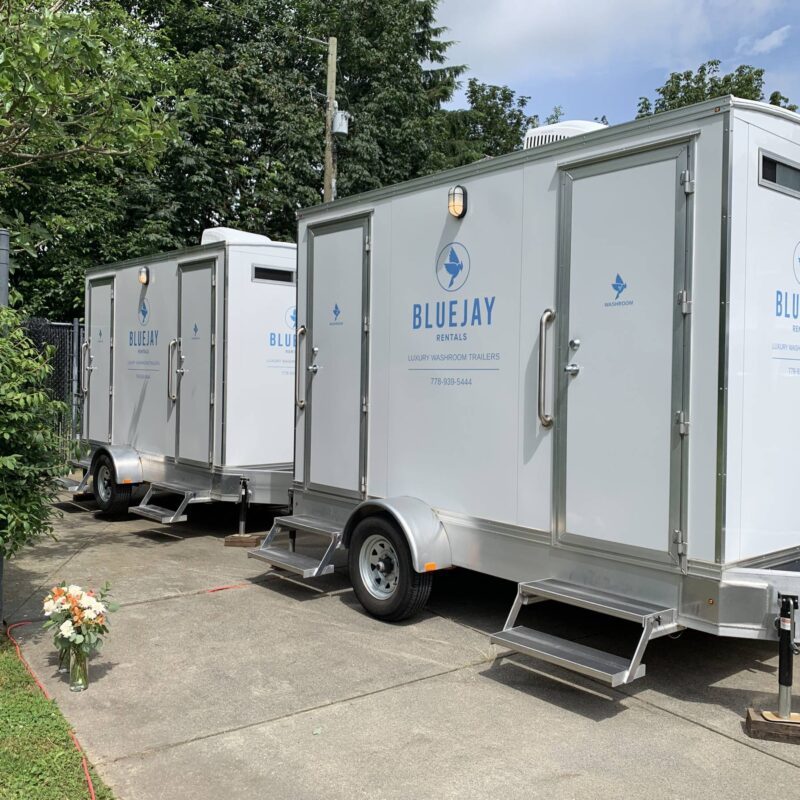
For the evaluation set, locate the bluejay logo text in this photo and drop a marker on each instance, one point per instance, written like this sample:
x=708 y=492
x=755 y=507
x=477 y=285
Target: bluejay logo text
x=452 y=271
x=146 y=337
x=281 y=339
x=619 y=286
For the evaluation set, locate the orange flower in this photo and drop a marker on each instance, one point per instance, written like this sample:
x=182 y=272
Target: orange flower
x=101 y=620
x=58 y=592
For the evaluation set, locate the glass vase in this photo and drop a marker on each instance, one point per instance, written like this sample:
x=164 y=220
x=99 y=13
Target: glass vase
x=64 y=659
x=78 y=671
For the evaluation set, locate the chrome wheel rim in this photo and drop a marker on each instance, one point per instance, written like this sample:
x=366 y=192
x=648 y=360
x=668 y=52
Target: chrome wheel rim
x=379 y=566
x=103 y=481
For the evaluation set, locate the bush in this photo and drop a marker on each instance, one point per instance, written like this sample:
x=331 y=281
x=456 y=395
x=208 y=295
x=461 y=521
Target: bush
x=30 y=457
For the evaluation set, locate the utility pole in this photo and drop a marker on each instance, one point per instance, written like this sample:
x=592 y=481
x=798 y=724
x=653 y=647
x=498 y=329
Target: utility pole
x=329 y=192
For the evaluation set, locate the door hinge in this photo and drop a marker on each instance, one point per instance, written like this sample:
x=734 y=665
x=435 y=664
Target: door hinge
x=682 y=421
x=684 y=302
x=687 y=181
x=366 y=324
x=211 y=400
x=679 y=540
x=367 y=244
x=364 y=405
x=213 y=278
x=363 y=484
x=213 y=340
x=110 y=390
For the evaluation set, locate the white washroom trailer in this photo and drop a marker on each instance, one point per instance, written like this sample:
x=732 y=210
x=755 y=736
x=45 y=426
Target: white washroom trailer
x=187 y=375
x=587 y=383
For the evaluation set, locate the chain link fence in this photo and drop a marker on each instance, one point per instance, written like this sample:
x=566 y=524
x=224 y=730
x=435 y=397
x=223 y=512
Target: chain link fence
x=66 y=338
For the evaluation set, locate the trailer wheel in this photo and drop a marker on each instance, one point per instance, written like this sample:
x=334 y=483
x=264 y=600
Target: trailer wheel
x=112 y=497
x=382 y=574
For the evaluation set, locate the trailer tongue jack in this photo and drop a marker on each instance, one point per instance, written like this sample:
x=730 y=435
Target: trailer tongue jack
x=783 y=725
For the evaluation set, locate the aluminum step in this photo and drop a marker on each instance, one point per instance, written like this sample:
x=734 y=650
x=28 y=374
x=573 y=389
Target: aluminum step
x=280 y=558
x=288 y=558
x=195 y=495
x=596 y=664
x=613 y=605
x=166 y=516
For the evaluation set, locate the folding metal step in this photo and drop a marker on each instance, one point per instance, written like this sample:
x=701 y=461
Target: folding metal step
x=168 y=516
x=292 y=561
x=601 y=666
x=655 y=621
x=78 y=488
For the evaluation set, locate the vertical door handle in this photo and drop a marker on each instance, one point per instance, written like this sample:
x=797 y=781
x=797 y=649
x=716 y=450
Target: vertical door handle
x=299 y=380
x=547 y=317
x=172 y=348
x=85 y=368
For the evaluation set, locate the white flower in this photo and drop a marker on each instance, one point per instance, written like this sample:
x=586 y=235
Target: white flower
x=66 y=629
x=89 y=614
x=49 y=607
x=86 y=601
x=74 y=590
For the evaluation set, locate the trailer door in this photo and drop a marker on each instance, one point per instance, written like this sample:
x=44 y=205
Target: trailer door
x=97 y=361
x=619 y=445
x=194 y=362
x=335 y=358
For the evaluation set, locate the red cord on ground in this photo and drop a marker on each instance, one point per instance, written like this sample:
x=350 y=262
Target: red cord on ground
x=27 y=666
x=232 y=586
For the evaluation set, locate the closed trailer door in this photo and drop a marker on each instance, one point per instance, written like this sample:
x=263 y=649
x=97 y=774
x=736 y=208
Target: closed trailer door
x=97 y=361
x=621 y=328
x=335 y=358
x=193 y=362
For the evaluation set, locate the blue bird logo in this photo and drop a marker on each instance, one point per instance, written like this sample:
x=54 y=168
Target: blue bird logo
x=452 y=267
x=336 y=311
x=619 y=286
x=144 y=312
x=195 y=329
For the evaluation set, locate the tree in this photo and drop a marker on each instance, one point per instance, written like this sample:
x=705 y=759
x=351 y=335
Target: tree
x=30 y=459
x=685 y=88
x=82 y=86
x=493 y=125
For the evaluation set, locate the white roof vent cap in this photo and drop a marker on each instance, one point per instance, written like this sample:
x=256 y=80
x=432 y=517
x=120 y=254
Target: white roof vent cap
x=536 y=137
x=232 y=236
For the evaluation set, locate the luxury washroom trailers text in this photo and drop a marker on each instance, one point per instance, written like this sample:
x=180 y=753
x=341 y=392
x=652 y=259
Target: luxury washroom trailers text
x=576 y=367
x=187 y=374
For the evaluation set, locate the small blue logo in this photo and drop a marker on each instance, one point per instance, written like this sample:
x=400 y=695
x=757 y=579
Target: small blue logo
x=291 y=317
x=619 y=286
x=336 y=312
x=100 y=334
x=144 y=311
x=195 y=329
x=452 y=267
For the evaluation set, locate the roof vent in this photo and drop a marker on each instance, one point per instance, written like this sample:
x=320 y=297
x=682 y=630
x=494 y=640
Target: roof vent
x=536 y=137
x=232 y=236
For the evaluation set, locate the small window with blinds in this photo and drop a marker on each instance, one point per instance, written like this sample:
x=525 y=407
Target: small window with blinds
x=272 y=275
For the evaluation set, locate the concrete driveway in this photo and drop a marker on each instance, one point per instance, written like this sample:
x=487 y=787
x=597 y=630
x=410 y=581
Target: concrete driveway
x=277 y=688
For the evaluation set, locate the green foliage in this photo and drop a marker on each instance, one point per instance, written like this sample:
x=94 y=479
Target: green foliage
x=494 y=124
x=37 y=757
x=82 y=86
x=686 y=88
x=30 y=458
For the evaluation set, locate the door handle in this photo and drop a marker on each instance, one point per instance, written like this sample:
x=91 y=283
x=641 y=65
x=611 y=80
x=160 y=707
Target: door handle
x=85 y=368
x=572 y=369
x=300 y=402
x=547 y=317
x=313 y=369
x=171 y=350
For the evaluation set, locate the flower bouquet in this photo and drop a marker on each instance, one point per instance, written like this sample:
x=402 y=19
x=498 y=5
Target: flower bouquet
x=78 y=621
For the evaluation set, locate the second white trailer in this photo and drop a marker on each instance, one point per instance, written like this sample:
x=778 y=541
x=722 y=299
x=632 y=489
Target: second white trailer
x=187 y=375
x=576 y=367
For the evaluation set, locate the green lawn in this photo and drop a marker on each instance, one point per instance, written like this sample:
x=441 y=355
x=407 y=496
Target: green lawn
x=38 y=760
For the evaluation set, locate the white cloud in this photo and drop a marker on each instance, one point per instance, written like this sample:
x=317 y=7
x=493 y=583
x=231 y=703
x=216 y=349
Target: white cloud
x=512 y=41
x=766 y=44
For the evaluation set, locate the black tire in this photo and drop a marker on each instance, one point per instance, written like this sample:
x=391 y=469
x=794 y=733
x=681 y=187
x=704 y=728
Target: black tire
x=112 y=497
x=384 y=593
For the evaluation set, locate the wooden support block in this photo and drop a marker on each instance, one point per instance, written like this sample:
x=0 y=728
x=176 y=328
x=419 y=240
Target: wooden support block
x=777 y=731
x=244 y=539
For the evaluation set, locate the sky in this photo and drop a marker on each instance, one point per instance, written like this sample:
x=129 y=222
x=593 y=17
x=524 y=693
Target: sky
x=595 y=57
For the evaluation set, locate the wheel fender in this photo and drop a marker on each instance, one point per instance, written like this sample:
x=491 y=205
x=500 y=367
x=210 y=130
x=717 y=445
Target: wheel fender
x=126 y=461
x=427 y=537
